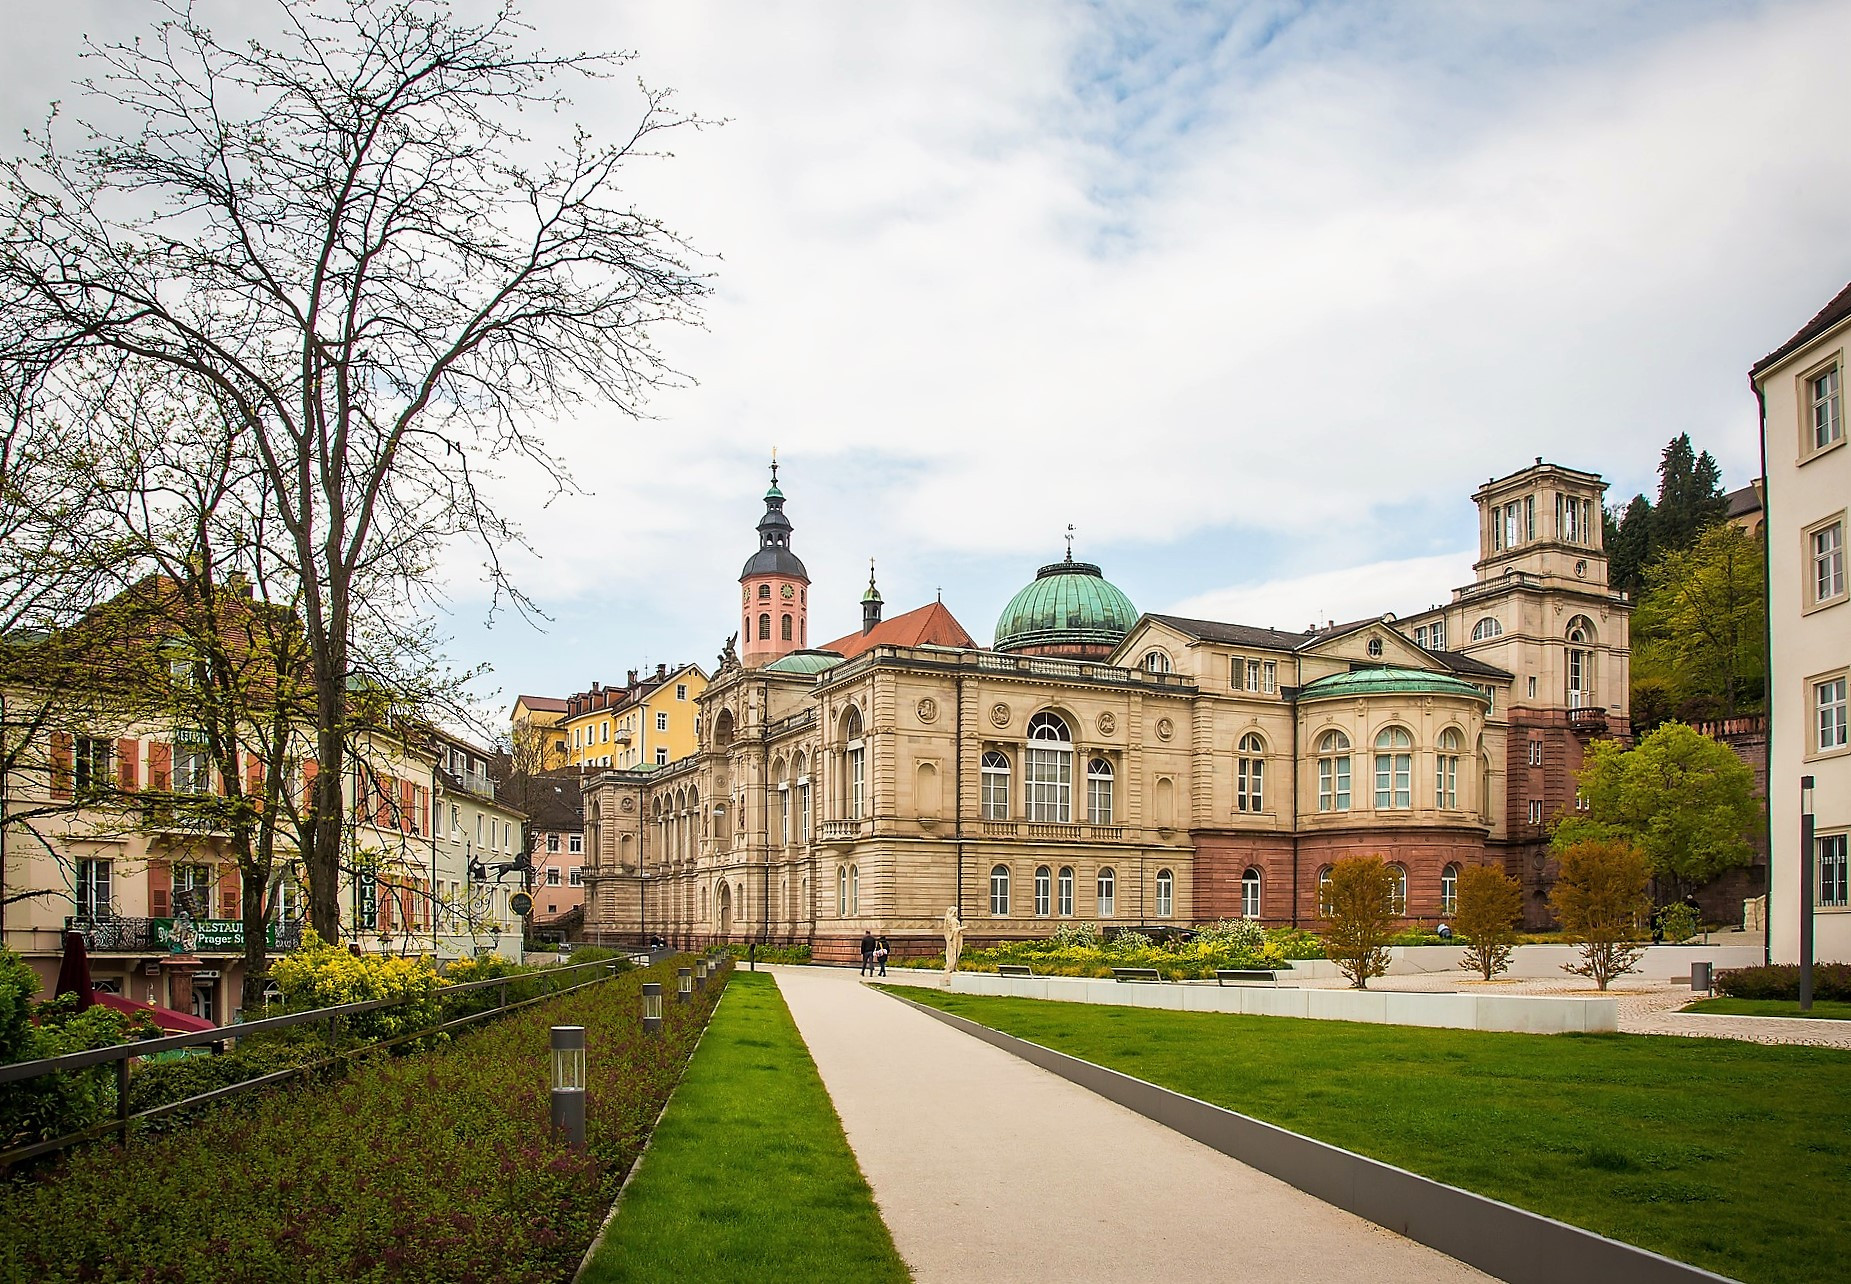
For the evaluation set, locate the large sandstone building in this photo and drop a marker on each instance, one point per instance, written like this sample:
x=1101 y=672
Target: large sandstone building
x=1098 y=764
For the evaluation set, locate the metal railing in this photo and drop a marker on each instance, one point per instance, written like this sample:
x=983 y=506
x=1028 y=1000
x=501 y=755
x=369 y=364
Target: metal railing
x=123 y=1054
x=118 y=934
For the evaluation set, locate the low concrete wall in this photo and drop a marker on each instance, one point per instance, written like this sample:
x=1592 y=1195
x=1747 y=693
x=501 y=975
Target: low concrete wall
x=1519 y=1013
x=1506 y=1242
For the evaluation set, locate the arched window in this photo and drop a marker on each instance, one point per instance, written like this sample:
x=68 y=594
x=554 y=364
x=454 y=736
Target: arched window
x=1156 y=662
x=1324 y=906
x=1334 y=772
x=1250 y=893
x=841 y=891
x=999 y=891
x=854 y=889
x=785 y=631
x=1044 y=891
x=1066 y=891
x=764 y=628
x=1047 y=770
x=1375 y=648
x=1449 y=890
x=855 y=757
x=1250 y=774
x=1166 y=893
x=995 y=786
x=764 y=592
x=1446 y=771
x=1486 y=629
x=1398 y=890
x=1099 y=792
x=1580 y=668
x=1394 y=769
x=1108 y=892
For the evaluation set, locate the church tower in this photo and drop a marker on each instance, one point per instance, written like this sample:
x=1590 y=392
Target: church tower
x=774 y=601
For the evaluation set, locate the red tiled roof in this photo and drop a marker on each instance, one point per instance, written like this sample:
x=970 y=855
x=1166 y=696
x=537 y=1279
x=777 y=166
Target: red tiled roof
x=929 y=625
x=1829 y=315
x=542 y=704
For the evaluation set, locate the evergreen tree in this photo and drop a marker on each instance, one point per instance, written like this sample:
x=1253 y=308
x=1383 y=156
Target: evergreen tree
x=1629 y=545
x=1689 y=496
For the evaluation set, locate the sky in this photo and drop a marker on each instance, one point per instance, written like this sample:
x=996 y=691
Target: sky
x=1252 y=294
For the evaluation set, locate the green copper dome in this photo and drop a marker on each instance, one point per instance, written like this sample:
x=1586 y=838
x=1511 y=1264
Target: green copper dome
x=1069 y=604
x=804 y=662
x=1375 y=682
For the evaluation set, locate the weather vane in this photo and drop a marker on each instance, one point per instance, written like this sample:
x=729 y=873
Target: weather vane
x=774 y=465
x=1069 y=541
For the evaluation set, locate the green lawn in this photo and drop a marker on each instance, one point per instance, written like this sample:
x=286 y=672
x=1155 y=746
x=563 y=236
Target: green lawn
x=748 y=1176
x=1822 y=1009
x=1730 y=1155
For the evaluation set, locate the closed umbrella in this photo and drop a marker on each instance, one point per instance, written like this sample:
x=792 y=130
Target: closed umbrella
x=74 y=971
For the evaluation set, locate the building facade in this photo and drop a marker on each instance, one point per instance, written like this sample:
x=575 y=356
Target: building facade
x=1801 y=389
x=649 y=720
x=1131 y=770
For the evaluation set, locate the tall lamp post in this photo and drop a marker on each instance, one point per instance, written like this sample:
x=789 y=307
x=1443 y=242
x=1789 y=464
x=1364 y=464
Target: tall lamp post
x=1806 y=893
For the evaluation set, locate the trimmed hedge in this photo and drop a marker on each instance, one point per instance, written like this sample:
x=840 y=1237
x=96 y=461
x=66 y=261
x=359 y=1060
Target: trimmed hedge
x=423 y=1168
x=1782 y=981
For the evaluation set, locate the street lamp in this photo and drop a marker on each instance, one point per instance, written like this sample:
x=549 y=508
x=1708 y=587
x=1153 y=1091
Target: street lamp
x=684 y=984
x=568 y=1042
x=652 y=1007
x=1806 y=893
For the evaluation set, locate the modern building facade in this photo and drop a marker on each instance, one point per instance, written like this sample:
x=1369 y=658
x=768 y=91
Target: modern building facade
x=1801 y=389
x=1133 y=770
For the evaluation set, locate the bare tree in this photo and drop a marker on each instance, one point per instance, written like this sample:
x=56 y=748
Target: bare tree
x=338 y=233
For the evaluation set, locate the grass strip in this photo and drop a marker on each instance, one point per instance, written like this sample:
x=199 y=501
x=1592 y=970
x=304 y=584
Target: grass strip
x=748 y=1175
x=1716 y=1152
x=1822 y=1009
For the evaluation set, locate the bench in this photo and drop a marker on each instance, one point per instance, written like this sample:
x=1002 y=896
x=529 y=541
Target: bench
x=1137 y=974
x=1246 y=976
x=1014 y=969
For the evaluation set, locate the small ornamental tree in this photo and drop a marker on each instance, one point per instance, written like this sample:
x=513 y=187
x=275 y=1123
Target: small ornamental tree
x=1490 y=907
x=1361 y=918
x=1601 y=901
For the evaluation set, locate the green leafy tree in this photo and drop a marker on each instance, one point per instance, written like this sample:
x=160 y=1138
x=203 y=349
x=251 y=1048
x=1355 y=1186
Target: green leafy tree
x=1700 y=632
x=1601 y=902
x=1360 y=918
x=1686 y=802
x=1490 y=907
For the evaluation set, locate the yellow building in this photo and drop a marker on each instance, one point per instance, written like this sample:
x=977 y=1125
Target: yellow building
x=649 y=721
x=539 y=741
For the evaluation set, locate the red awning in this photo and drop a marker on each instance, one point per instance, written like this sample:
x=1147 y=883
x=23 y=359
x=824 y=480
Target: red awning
x=169 y=1019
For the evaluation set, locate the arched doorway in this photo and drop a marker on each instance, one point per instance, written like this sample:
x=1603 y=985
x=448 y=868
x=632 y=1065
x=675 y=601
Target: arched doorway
x=725 y=906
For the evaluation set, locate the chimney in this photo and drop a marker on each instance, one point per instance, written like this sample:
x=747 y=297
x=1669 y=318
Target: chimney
x=632 y=682
x=661 y=672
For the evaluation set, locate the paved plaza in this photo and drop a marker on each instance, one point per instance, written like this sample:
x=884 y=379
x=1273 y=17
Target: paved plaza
x=987 y=1168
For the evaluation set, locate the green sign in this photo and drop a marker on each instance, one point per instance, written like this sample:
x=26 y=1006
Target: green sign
x=521 y=903
x=218 y=935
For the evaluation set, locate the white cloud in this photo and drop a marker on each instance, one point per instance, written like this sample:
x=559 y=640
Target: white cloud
x=1352 y=593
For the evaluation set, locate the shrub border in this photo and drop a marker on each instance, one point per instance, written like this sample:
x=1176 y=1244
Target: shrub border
x=1504 y=1241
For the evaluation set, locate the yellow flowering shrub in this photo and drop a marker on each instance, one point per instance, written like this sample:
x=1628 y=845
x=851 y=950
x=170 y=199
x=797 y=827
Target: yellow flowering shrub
x=322 y=975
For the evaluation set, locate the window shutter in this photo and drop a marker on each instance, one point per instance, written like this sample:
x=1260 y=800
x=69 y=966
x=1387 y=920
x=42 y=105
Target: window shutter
x=254 y=776
x=160 y=889
x=229 y=900
x=160 y=768
x=407 y=805
x=308 y=784
x=60 y=764
x=128 y=760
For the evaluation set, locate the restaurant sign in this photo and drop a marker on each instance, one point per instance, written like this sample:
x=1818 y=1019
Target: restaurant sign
x=215 y=934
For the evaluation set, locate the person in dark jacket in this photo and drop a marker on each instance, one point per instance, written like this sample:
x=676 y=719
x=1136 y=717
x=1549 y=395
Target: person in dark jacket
x=880 y=955
x=867 y=954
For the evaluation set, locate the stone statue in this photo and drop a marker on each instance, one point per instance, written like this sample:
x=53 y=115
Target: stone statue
x=729 y=657
x=954 y=939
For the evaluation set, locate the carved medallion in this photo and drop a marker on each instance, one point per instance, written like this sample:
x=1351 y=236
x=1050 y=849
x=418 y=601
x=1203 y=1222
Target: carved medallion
x=1000 y=715
x=1165 y=728
x=928 y=710
x=1108 y=723
x=629 y=804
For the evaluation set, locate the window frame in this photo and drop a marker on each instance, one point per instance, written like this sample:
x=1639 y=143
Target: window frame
x=1394 y=769
x=1810 y=559
x=994 y=784
x=1449 y=889
x=1047 y=772
x=1064 y=892
x=1832 y=368
x=1100 y=786
x=1832 y=886
x=999 y=891
x=1334 y=772
x=1817 y=706
x=1105 y=886
x=1252 y=890
x=1166 y=894
x=1044 y=891
x=1487 y=628
x=1447 y=750
x=1250 y=774
x=92 y=890
x=1398 y=889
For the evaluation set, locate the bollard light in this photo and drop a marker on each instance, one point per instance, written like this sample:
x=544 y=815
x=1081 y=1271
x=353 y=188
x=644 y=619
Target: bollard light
x=568 y=1042
x=700 y=974
x=652 y=1007
x=684 y=983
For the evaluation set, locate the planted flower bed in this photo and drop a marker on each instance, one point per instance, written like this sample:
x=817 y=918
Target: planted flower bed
x=429 y=1167
x=1078 y=950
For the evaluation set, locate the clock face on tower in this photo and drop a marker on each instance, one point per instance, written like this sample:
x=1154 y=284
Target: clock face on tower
x=789 y=592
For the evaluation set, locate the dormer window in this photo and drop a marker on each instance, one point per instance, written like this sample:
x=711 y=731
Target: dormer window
x=1156 y=662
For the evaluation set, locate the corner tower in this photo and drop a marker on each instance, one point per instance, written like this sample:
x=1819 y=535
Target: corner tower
x=774 y=599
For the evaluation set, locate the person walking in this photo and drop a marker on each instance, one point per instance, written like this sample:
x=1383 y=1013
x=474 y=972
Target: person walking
x=867 y=954
x=880 y=954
